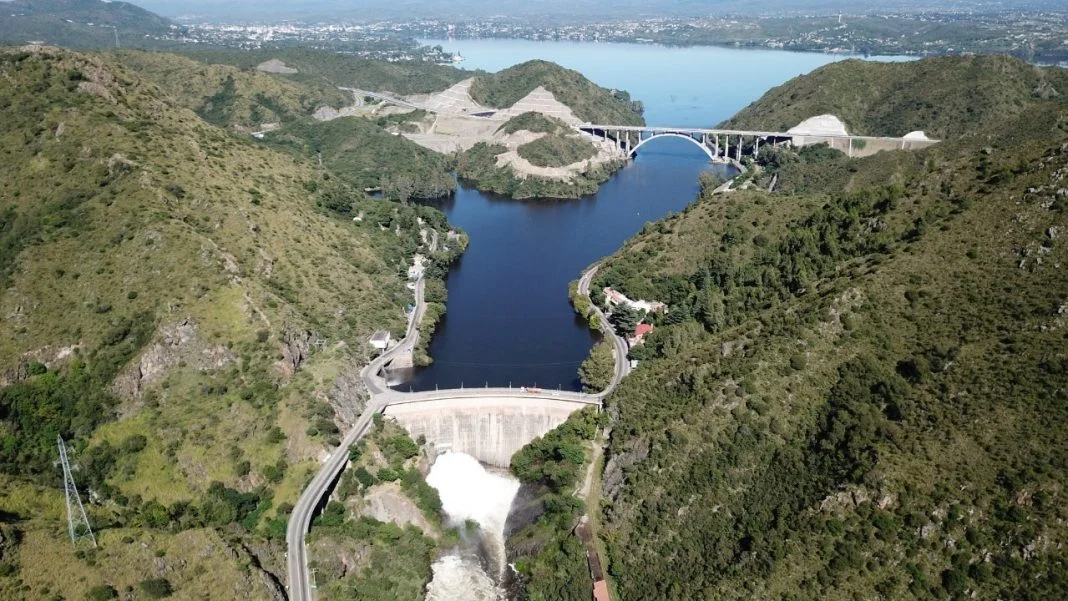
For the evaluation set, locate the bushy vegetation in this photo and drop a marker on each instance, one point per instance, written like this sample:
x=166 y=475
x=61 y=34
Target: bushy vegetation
x=589 y=101
x=358 y=150
x=317 y=67
x=597 y=370
x=555 y=150
x=77 y=24
x=227 y=96
x=833 y=408
x=366 y=156
x=132 y=227
x=395 y=561
x=550 y=560
x=532 y=122
x=385 y=561
x=949 y=97
x=479 y=165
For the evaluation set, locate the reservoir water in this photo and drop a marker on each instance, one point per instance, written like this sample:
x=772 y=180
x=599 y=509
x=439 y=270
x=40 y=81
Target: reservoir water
x=508 y=320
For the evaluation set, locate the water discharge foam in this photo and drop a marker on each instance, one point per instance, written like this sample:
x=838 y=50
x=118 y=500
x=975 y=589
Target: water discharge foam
x=469 y=492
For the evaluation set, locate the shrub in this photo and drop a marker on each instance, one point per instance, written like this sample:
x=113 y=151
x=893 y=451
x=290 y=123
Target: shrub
x=156 y=588
x=103 y=592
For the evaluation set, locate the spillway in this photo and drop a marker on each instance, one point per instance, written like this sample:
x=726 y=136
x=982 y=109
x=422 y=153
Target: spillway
x=469 y=492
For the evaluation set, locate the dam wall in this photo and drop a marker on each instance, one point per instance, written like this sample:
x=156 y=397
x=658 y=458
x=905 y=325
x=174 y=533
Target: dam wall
x=490 y=429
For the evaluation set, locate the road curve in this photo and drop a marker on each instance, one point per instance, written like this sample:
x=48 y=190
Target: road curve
x=619 y=344
x=382 y=396
x=300 y=518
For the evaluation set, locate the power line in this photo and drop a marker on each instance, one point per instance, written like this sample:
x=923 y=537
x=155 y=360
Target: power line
x=77 y=522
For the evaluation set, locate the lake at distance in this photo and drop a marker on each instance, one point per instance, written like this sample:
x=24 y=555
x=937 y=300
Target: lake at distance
x=509 y=321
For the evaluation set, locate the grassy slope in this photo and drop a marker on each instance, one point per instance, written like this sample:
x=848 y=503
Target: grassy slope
x=251 y=98
x=892 y=427
x=945 y=97
x=121 y=208
x=320 y=66
x=66 y=22
x=589 y=101
x=357 y=149
x=367 y=156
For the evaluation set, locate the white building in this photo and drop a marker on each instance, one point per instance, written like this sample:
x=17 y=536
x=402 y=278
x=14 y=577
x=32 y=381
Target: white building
x=380 y=339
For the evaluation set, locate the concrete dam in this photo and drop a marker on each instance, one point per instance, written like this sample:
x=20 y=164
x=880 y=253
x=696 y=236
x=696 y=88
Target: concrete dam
x=490 y=429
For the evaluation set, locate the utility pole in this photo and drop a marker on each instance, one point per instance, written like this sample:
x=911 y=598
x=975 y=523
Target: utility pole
x=77 y=522
x=116 y=30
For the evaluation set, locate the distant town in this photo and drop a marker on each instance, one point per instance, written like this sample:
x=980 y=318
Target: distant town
x=1037 y=37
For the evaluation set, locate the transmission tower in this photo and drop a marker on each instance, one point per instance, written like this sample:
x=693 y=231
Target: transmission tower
x=77 y=522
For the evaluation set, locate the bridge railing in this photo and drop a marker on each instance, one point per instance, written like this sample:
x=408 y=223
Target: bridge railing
x=402 y=398
x=744 y=132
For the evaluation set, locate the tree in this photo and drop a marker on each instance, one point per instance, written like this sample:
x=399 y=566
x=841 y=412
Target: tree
x=597 y=370
x=625 y=319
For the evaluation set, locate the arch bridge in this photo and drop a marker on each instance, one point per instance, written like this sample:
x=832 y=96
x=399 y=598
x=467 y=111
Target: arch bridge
x=729 y=145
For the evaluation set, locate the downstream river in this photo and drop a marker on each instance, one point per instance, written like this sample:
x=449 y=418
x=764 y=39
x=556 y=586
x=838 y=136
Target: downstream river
x=509 y=321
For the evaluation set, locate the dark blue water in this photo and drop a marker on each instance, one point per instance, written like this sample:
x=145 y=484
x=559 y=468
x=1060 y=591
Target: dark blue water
x=509 y=320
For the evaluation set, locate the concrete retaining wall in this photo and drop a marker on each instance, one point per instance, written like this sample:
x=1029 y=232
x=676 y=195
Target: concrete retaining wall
x=489 y=429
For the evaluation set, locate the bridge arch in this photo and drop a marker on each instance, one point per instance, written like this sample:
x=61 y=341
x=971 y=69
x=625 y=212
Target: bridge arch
x=705 y=149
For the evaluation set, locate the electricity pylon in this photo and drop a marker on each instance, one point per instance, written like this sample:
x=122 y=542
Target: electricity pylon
x=77 y=522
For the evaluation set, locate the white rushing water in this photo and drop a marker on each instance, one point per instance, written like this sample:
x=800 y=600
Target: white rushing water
x=469 y=492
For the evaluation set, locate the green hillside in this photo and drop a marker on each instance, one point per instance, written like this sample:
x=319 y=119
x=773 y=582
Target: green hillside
x=228 y=96
x=184 y=306
x=367 y=156
x=859 y=392
x=948 y=97
x=358 y=150
x=318 y=66
x=589 y=101
x=81 y=23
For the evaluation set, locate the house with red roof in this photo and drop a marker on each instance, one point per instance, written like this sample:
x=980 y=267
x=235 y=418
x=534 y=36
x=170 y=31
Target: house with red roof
x=639 y=333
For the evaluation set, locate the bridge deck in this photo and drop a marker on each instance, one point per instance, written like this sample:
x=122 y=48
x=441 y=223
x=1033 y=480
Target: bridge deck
x=743 y=132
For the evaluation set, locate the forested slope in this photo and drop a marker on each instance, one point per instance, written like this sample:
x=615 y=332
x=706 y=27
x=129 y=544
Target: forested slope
x=948 y=97
x=860 y=392
x=189 y=310
x=82 y=23
x=356 y=149
x=589 y=101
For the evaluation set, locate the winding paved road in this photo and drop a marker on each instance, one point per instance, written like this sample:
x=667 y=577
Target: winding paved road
x=619 y=344
x=382 y=396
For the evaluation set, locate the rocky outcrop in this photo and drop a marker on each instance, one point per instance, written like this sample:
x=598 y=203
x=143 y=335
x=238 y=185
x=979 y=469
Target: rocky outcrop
x=348 y=396
x=387 y=503
x=175 y=344
x=296 y=348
